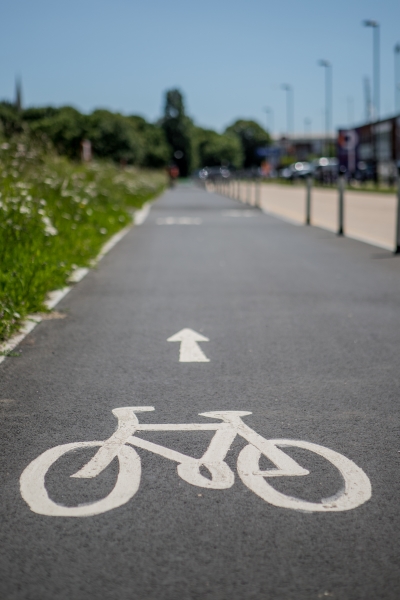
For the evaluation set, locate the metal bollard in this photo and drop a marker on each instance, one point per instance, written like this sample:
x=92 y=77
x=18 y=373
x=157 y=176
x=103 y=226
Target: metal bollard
x=397 y=245
x=308 y=200
x=258 y=193
x=341 y=184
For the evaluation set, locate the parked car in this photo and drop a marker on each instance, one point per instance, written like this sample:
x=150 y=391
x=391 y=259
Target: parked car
x=325 y=170
x=297 y=170
x=213 y=173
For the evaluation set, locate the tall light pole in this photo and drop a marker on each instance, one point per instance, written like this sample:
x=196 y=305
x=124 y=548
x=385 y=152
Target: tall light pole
x=397 y=78
x=375 y=27
x=328 y=100
x=289 y=107
x=350 y=111
x=270 y=119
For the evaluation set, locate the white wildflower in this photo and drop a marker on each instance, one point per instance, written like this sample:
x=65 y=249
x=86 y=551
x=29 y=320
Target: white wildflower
x=48 y=226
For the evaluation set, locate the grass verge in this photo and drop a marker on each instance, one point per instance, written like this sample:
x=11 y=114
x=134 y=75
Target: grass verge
x=55 y=215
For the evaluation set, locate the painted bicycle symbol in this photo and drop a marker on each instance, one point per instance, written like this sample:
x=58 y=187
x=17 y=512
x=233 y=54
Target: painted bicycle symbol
x=356 y=489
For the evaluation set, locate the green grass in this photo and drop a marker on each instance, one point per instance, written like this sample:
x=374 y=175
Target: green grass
x=54 y=216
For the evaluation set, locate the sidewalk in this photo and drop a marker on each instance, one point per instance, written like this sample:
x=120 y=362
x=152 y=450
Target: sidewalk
x=368 y=217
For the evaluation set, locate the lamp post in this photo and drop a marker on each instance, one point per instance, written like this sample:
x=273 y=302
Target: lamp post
x=397 y=78
x=350 y=111
x=270 y=119
x=375 y=27
x=289 y=107
x=328 y=100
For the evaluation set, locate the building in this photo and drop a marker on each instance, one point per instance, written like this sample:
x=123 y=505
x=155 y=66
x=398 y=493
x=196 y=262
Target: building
x=370 y=151
x=304 y=146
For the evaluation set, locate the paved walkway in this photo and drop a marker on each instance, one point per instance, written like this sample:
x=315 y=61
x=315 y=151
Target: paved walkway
x=209 y=307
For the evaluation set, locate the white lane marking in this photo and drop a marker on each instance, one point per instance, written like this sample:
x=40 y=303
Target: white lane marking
x=239 y=213
x=78 y=274
x=356 y=490
x=179 y=221
x=54 y=297
x=190 y=351
x=141 y=215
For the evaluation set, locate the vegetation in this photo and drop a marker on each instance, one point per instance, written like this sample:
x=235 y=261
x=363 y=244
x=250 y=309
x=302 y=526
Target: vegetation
x=56 y=212
x=215 y=149
x=252 y=136
x=55 y=215
x=132 y=140
x=179 y=133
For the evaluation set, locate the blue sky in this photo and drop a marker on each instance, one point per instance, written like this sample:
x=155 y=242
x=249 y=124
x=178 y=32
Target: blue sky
x=228 y=58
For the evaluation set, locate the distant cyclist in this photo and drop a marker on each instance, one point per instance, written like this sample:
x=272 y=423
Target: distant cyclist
x=173 y=173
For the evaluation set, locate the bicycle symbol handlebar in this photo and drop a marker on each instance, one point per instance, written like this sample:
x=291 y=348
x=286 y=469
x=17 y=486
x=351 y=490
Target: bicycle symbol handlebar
x=356 y=490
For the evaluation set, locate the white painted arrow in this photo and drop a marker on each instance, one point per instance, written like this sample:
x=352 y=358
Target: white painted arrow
x=190 y=351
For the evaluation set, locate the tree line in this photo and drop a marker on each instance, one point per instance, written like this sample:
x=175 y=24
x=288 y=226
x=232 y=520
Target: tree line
x=174 y=138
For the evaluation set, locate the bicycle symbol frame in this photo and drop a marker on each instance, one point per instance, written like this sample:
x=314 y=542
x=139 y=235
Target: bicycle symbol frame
x=356 y=489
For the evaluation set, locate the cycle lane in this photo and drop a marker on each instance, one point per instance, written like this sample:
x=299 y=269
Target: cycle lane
x=302 y=334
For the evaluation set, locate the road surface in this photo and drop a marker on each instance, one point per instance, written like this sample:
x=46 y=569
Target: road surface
x=295 y=327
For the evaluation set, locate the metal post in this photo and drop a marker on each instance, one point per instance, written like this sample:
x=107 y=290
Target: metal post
x=397 y=245
x=341 y=182
x=248 y=191
x=258 y=193
x=308 y=200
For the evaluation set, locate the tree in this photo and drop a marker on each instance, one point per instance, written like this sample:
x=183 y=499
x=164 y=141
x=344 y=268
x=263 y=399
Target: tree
x=251 y=136
x=65 y=127
x=156 y=149
x=215 y=149
x=10 y=119
x=179 y=132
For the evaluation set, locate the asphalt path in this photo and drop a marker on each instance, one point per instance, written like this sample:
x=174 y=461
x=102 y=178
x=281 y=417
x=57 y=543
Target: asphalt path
x=304 y=333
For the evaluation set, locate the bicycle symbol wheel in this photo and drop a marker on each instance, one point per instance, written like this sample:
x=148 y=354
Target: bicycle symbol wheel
x=33 y=489
x=356 y=491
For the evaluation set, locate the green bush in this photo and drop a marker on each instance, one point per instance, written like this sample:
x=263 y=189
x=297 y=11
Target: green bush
x=65 y=127
x=252 y=136
x=115 y=136
x=215 y=149
x=55 y=215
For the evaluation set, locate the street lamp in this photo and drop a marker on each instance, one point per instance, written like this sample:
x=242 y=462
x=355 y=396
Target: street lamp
x=375 y=27
x=328 y=99
x=289 y=107
x=397 y=78
x=350 y=111
x=270 y=119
